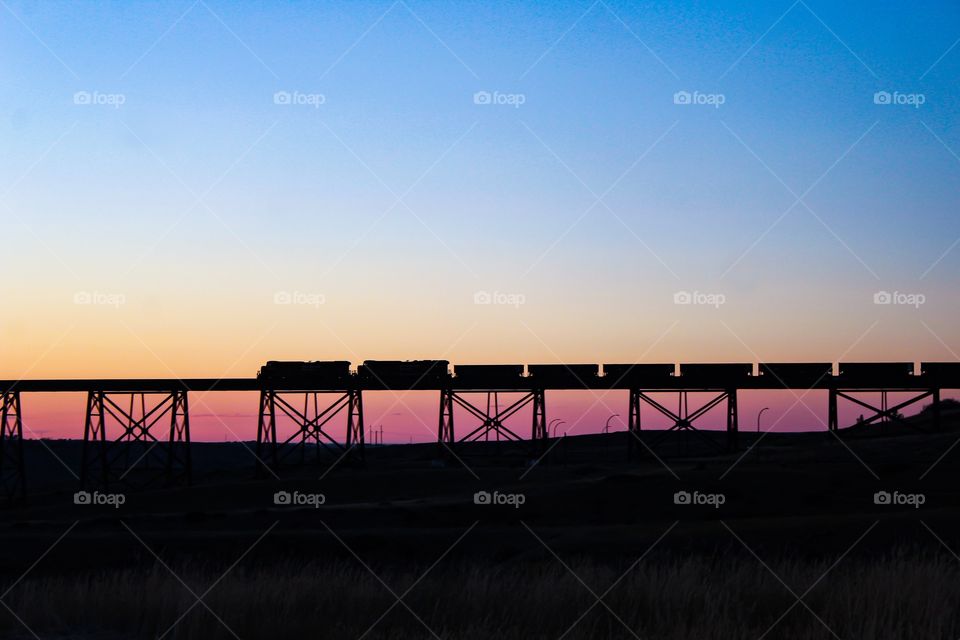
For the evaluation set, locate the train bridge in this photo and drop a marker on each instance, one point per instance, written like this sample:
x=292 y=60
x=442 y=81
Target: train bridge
x=145 y=423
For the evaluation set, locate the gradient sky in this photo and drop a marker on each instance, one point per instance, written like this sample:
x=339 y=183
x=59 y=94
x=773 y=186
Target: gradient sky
x=184 y=214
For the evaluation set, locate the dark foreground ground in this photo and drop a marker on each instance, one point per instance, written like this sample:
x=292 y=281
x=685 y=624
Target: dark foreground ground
x=789 y=540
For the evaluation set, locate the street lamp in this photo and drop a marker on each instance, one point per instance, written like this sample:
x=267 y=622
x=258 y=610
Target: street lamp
x=606 y=427
x=557 y=426
x=758 y=417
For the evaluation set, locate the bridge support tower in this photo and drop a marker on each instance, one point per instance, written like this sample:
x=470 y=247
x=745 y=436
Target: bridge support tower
x=683 y=418
x=310 y=416
x=491 y=417
x=12 y=469
x=885 y=413
x=136 y=457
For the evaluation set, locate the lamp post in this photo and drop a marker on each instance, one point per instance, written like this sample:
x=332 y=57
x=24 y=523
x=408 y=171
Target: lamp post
x=550 y=425
x=758 y=417
x=556 y=426
x=606 y=427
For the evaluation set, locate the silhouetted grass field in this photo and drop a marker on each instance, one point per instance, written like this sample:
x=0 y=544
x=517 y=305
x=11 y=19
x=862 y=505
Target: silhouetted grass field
x=808 y=536
x=906 y=594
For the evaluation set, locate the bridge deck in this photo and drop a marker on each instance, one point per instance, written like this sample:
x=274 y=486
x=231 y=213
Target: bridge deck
x=693 y=377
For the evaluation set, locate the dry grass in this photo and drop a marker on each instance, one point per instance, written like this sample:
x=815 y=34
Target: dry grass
x=905 y=595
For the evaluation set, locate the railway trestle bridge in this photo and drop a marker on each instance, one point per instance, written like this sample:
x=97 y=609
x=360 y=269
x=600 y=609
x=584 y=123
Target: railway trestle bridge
x=137 y=431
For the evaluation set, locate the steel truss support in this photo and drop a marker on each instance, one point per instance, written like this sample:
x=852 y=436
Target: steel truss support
x=884 y=414
x=445 y=431
x=136 y=457
x=309 y=424
x=492 y=418
x=539 y=431
x=12 y=471
x=733 y=420
x=683 y=418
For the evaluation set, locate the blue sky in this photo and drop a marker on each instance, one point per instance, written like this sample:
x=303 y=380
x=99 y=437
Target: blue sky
x=392 y=194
